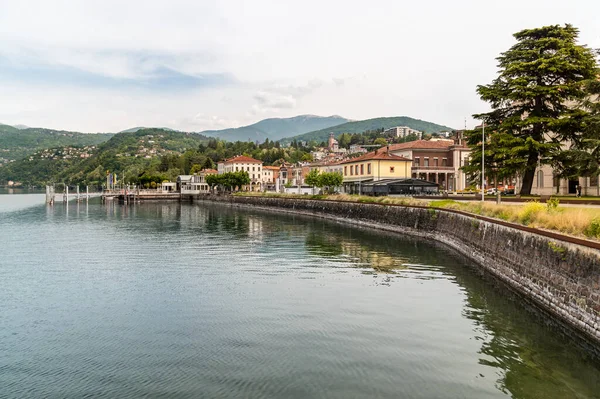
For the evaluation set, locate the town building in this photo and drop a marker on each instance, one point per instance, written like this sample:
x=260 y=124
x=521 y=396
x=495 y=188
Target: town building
x=437 y=160
x=270 y=175
x=328 y=167
x=547 y=183
x=357 y=149
x=373 y=166
x=196 y=183
x=332 y=144
x=243 y=163
x=402 y=131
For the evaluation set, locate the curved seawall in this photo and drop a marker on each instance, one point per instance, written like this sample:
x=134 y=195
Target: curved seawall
x=560 y=277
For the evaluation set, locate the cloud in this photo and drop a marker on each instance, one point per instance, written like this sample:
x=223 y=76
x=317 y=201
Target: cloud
x=269 y=101
x=104 y=65
x=282 y=97
x=209 y=122
x=108 y=69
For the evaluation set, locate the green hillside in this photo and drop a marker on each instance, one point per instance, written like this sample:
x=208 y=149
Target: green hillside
x=17 y=143
x=88 y=165
x=135 y=129
x=369 y=124
x=277 y=128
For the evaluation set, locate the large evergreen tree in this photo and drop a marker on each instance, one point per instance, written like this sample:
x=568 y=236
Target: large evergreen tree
x=537 y=112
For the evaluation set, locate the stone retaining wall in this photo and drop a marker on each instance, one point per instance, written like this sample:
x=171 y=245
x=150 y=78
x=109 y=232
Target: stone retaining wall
x=559 y=277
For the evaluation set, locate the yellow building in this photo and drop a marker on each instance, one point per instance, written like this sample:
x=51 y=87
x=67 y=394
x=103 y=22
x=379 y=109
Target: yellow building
x=374 y=166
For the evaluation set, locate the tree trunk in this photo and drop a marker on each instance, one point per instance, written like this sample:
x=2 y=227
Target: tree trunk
x=529 y=174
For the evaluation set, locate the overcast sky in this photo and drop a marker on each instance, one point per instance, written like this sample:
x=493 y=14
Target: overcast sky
x=194 y=65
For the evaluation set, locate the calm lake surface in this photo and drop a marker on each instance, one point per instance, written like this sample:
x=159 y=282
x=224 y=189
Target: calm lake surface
x=198 y=301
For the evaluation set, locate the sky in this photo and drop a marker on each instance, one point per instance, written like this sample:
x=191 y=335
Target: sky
x=106 y=66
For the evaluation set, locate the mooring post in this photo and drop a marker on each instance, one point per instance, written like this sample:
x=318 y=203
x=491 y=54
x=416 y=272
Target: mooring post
x=48 y=195
x=87 y=193
x=66 y=194
x=78 y=198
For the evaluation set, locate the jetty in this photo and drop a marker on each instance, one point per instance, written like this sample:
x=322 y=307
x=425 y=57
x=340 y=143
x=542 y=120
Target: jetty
x=51 y=194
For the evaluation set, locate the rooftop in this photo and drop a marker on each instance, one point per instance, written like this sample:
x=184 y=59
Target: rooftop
x=241 y=159
x=423 y=144
x=380 y=154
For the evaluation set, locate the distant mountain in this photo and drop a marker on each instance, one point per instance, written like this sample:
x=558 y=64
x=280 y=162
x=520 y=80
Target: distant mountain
x=277 y=128
x=17 y=143
x=123 y=153
x=369 y=124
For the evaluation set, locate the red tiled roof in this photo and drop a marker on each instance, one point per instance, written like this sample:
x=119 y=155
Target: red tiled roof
x=242 y=159
x=380 y=154
x=210 y=171
x=422 y=144
x=271 y=167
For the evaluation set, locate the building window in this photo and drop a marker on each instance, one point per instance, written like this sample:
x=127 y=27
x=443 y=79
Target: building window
x=368 y=168
x=540 y=178
x=351 y=171
x=444 y=162
x=253 y=168
x=391 y=169
x=345 y=171
x=435 y=162
x=236 y=168
x=594 y=181
x=362 y=169
x=356 y=170
x=426 y=162
x=417 y=160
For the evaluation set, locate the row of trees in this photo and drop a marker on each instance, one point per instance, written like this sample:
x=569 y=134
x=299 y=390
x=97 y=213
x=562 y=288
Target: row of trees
x=326 y=180
x=229 y=180
x=545 y=109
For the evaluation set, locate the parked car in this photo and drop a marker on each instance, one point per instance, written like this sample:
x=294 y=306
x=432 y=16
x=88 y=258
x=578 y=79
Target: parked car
x=492 y=191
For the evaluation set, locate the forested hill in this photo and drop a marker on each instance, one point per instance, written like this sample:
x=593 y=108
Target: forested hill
x=124 y=152
x=277 y=128
x=369 y=124
x=17 y=143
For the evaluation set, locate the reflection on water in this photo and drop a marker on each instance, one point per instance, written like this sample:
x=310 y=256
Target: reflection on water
x=207 y=301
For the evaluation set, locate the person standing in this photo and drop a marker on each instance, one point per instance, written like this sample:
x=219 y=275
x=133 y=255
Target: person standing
x=579 y=190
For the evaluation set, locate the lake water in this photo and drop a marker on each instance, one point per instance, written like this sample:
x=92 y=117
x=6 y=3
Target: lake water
x=198 y=301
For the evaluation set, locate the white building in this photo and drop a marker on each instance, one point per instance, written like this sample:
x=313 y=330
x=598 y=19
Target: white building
x=402 y=131
x=243 y=163
x=546 y=183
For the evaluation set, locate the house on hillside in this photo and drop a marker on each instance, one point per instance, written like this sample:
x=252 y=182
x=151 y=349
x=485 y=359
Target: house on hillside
x=402 y=131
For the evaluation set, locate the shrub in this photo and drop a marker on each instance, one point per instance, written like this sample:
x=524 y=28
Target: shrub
x=593 y=230
x=530 y=211
x=552 y=204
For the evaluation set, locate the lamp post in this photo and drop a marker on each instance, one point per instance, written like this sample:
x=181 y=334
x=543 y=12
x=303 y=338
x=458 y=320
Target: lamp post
x=483 y=162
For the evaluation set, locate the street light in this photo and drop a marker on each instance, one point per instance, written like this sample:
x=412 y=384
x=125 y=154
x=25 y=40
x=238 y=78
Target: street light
x=483 y=162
